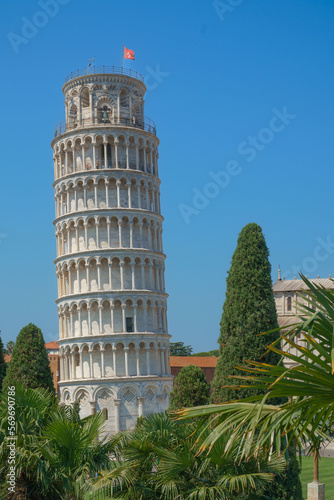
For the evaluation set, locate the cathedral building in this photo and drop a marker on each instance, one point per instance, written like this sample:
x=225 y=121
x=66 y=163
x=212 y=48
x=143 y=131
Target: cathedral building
x=112 y=304
x=287 y=294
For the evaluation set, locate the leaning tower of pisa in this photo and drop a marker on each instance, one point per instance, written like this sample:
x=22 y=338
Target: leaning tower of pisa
x=113 y=336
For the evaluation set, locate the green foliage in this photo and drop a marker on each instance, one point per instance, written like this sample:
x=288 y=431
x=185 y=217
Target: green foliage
x=287 y=485
x=179 y=349
x=190 y=388
x=160 y=460
x=307 y=417
x=248 y=311
x=29 y=363
x=55 y=453
x=58 y=457
x=214 y=352
x=3 y=365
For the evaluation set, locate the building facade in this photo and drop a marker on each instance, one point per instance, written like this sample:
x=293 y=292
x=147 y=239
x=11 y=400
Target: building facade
x=112 y=304
x=288 y=296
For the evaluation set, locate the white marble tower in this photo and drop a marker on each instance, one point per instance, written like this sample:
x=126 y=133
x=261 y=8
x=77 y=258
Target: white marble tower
x=113 y=336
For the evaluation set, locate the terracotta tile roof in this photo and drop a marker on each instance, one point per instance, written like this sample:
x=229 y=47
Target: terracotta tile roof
x=201 y=361
x=49 y=345
x=52 y=345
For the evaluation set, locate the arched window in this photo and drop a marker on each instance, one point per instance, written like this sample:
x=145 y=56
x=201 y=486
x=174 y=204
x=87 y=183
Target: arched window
x=289 y=304
x=85 y=98
x=73 y=116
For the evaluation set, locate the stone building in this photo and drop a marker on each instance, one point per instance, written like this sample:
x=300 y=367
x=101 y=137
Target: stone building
x=113 y=336
x=53 y=355
x=286 y=294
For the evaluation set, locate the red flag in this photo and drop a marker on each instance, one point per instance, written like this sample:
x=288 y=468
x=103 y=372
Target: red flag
x=129 y=54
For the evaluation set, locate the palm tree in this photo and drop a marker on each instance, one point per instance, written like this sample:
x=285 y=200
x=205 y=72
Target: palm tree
x=55 y=450
x=160 y=459
x=308 y=415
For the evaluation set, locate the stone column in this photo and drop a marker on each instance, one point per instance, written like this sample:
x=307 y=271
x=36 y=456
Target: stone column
x=131 y=234
x=139 y=196
x=94 y=155
x=95 y=195
x=102 y=362
x=112 y=318
x=85 y=196
x=126 y=355
x=98 y=265
x=107 y=194
x=145 y=318
x=122 y=273
x=87 y=277
x=157 y=362
x=151 y=276
x=97 y=234
x=123 y=317
x=145 y=164
x=110 y=275
x=147 y=199
x=78 y=278
x=129 y=195
x=100 y=319
x=148 y=362
x=92 y=407
x=137 y=362
x=114 y=359
x=108 y=231
x=105 y=155
x=149 y=236
x=71 y=324
x=140 y=234
x=142 y=275
x=137 y=157
x=86 y=236
x=77 y=238
x=162 y=362
x=89 y=321
x=79 y=321
x=135 y=319
x=83 y=157
x=91 y=105
x=81 y=364
x=133 y=276
x=117 y=403
x=120 y=233
x=73 y=365
x=116 y=154
x=127 y=155
x=140 y=407
x=91 y=372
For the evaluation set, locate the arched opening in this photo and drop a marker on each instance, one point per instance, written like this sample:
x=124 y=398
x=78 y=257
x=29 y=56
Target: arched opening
x=73 y=116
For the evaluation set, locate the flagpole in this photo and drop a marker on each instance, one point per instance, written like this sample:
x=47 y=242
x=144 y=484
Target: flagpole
x=122 y=56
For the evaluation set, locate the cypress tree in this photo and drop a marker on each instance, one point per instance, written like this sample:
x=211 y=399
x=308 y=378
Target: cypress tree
x=29 y=363
x=3 y=365
x=249 y=310
x=190 y=388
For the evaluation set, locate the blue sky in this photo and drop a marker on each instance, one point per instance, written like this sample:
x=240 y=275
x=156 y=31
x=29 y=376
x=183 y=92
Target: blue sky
x=218 y=74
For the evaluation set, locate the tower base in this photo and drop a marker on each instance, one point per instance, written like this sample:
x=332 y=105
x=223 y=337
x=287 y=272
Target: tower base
x=122 y=401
